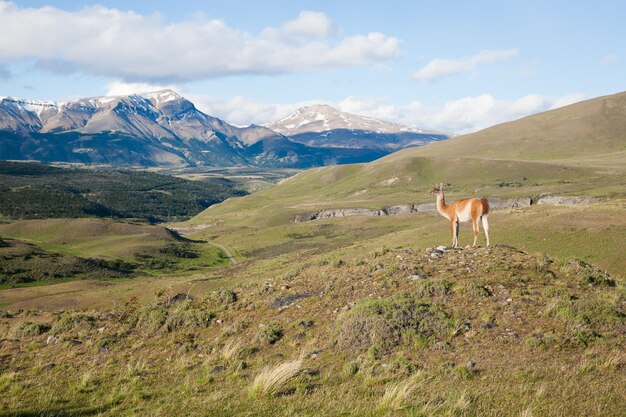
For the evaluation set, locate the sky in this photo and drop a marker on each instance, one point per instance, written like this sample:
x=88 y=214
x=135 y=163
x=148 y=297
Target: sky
x=455 y=66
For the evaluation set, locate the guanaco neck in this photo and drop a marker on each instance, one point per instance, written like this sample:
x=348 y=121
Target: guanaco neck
x=441 y=205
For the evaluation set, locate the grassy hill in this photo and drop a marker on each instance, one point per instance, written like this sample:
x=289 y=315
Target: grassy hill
x=31 y=191
x=380 y=333
x=54 y=250
x=593 y=129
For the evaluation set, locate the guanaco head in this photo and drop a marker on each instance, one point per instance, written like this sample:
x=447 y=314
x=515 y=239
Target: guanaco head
x=438 y=190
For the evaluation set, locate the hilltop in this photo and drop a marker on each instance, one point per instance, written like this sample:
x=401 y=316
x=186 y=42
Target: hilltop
x=467 y=332
x=587 y=133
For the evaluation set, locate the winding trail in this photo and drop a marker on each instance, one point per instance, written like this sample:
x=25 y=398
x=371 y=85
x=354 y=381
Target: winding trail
x=228 y=253
x=185 y=231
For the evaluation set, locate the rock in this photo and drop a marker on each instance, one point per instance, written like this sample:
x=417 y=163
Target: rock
x=51 y=339
x=216 y=369
x=442 y=248
x=75 y=342
x=178 y=298
x=564 y=200
x=499 y=204
x=425 y=207
x=436 y=254
x=416 y=277
x=306 y=323
x=48 y=367
x=398 y=209
x=315 y=354
x=285 y=287
x=102 y=329
x=281 y=302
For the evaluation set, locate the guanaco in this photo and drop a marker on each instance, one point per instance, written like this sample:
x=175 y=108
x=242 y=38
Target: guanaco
x=474 y=209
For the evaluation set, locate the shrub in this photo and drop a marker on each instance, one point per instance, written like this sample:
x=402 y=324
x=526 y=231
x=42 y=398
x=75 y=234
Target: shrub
x=223 y=297
x=73 y=321
x=270 y=334
x=466 y=372
x=385 y=324
x=473 y=290
x=29 y=329
x=351 y=368
x=185 y=314
x=151 y=318
x=587 y=274
x=105 y=342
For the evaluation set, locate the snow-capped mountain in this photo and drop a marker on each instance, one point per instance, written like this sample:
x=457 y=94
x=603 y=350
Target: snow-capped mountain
x=153 y=129
x=325 y=126
x=163 y=128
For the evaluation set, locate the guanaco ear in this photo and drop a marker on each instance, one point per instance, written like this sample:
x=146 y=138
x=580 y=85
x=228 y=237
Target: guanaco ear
x=441 y=186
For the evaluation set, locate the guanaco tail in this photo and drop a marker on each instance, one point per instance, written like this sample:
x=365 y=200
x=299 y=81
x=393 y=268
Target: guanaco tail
x=474 y=209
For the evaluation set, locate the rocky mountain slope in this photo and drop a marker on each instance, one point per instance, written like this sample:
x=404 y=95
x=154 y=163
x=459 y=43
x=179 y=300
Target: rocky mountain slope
x=325 y=126
x=164 y=129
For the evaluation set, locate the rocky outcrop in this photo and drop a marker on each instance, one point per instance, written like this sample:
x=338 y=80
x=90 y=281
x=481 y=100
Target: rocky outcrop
x=399 y=209
x=500 y=204
x=564 y=200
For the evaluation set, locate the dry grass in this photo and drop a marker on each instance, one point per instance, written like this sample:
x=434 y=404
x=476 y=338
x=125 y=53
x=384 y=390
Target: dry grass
x=398 y=395
x=232 y=349
x=272 y=380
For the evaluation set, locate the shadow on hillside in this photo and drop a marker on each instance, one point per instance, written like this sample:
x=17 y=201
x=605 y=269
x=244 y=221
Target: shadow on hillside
x=58 y=412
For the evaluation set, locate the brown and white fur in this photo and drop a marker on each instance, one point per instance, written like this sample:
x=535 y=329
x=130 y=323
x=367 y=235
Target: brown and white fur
x=474 y=209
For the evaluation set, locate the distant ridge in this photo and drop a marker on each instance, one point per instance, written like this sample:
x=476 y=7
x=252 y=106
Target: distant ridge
x=325 y=126
x=162 y=128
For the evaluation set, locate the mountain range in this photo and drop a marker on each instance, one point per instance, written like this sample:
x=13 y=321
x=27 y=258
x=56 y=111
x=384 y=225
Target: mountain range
x=164 y=129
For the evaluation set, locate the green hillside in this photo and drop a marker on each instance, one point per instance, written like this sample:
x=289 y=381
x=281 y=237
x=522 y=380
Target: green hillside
x=592 y=131
x=35 y=191
x=54 y=250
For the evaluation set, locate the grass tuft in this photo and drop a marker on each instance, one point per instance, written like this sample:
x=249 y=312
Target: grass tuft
x=398 y=395
x=272 y=380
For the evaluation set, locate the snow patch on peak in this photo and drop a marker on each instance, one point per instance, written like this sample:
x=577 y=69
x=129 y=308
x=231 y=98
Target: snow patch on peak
x=162 y=96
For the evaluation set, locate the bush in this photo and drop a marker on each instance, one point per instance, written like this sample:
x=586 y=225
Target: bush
x=587 y=274
x=73 y=321
x=29 y=329
x=105 y=342
x=385 y=324
x=223 y=297
x=186 y=314
x=151 y=318
x=270 y=334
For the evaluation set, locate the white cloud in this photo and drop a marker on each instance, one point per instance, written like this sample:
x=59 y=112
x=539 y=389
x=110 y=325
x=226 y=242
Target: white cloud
x=444 y=67
x=610 y=59
x=464 y=115
x=132 y=46
x=310 y=23
x=121 y=88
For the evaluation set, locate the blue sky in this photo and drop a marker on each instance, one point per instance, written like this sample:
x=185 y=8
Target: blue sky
x=456 y=65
